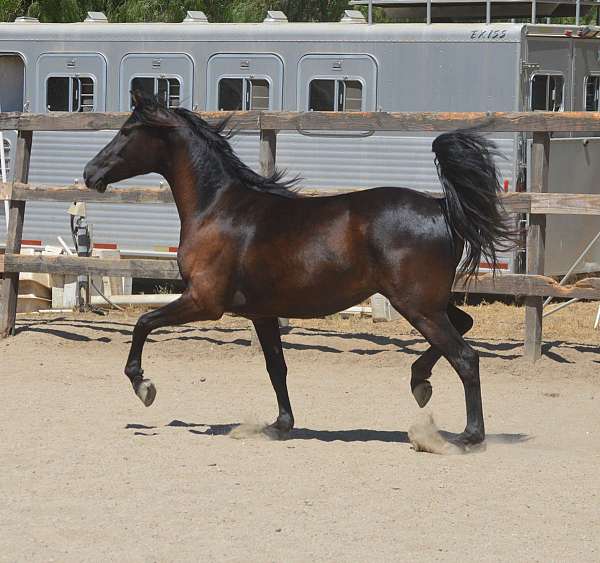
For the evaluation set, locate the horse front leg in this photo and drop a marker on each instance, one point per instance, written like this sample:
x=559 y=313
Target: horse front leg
x=269 y=336
x=183 y=310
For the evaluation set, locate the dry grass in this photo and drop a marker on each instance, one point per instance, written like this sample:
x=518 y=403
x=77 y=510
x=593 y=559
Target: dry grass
x=493 y=321
x=572 y=324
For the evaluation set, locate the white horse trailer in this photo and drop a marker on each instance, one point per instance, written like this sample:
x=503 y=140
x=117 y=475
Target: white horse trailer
x=275 y=65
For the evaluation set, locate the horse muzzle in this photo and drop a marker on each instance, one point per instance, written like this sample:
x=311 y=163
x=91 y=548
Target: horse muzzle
x=93 y=179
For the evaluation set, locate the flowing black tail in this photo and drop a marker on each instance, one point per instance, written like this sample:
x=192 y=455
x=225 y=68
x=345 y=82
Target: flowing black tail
x=465 y=164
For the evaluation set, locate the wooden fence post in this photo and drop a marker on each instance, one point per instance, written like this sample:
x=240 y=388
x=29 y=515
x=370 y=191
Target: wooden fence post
x=10 y=284
x=267 y=158
x=268 y=151
x=536 y=245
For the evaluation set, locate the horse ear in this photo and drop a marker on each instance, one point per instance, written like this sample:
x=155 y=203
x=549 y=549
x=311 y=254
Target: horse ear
x=138 y=99
x=151 y=110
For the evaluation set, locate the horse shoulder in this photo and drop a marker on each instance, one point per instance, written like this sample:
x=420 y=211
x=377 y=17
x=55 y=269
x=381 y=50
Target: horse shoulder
x=207 y=248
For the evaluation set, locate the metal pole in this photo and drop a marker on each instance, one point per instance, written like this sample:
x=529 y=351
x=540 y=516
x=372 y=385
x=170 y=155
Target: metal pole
x=488 y=11
x=575 y=264
x=370 y=12
x=561 y=306
x=428 y=12
x=577 y=12
x=3 y=174
x=533 y=11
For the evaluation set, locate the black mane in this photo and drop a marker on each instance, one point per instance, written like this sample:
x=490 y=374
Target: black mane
x=218 y=141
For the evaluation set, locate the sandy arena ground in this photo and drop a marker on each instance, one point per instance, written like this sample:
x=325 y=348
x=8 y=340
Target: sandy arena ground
x=90 y=474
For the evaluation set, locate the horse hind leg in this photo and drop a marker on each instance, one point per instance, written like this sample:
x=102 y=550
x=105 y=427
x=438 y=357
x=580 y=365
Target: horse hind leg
x=437 y=328
x=422 y=367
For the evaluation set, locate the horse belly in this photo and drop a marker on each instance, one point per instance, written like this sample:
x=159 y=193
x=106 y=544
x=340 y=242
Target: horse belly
x=300 y=288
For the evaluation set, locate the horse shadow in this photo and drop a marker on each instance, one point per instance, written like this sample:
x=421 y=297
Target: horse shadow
x=62 y=328
x=354 y=435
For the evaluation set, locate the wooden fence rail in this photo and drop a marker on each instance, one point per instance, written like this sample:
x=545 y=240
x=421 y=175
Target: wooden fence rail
x=318 y=120
x=537 y=203
x=502 y=284
x=524 y=202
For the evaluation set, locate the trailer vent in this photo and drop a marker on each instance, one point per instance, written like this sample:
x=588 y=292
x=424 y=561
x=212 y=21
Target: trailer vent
x=353 y=16
x=96 y=17
x=26 y=19
x=195 y=16
x=275 y=16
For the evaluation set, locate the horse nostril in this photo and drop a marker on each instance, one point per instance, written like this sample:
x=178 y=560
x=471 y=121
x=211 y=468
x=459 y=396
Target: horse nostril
x=88 y=173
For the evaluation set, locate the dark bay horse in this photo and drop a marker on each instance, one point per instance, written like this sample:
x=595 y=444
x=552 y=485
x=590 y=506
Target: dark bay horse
x=250 y=245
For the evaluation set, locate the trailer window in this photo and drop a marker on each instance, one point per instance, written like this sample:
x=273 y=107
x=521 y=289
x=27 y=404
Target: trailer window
x=167 y=90
x=243 y=94
x=335 y=95
x=547 y=92
x=6 y=147
x=592 y=90
x=70 y=93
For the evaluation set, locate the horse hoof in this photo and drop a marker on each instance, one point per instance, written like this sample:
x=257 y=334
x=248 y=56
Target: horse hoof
x=470 y=442
x=146 y=392
x=422 y=393
x=273 y=432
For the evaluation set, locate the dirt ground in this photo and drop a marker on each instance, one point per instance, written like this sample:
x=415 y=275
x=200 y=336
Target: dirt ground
x=90 y=474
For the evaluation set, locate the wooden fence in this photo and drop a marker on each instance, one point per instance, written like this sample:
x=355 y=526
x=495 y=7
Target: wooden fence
x=537 y=203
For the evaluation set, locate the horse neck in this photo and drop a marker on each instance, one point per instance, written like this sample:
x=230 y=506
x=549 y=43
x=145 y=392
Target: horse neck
x=195 y=183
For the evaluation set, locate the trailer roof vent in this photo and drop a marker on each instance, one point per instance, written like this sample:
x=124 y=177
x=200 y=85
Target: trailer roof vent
x=195 y=16
x=96 y=17
x=26 y=19
x=353 y=16
x=275 y=16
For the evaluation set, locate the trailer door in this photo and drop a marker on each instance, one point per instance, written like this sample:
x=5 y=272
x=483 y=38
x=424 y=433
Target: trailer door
x=575 y=168
x=168 y=76
x=547 y=75
x=586 y=75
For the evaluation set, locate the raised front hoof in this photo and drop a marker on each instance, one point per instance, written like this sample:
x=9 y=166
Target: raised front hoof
x=422 y=393
x=146 y=391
